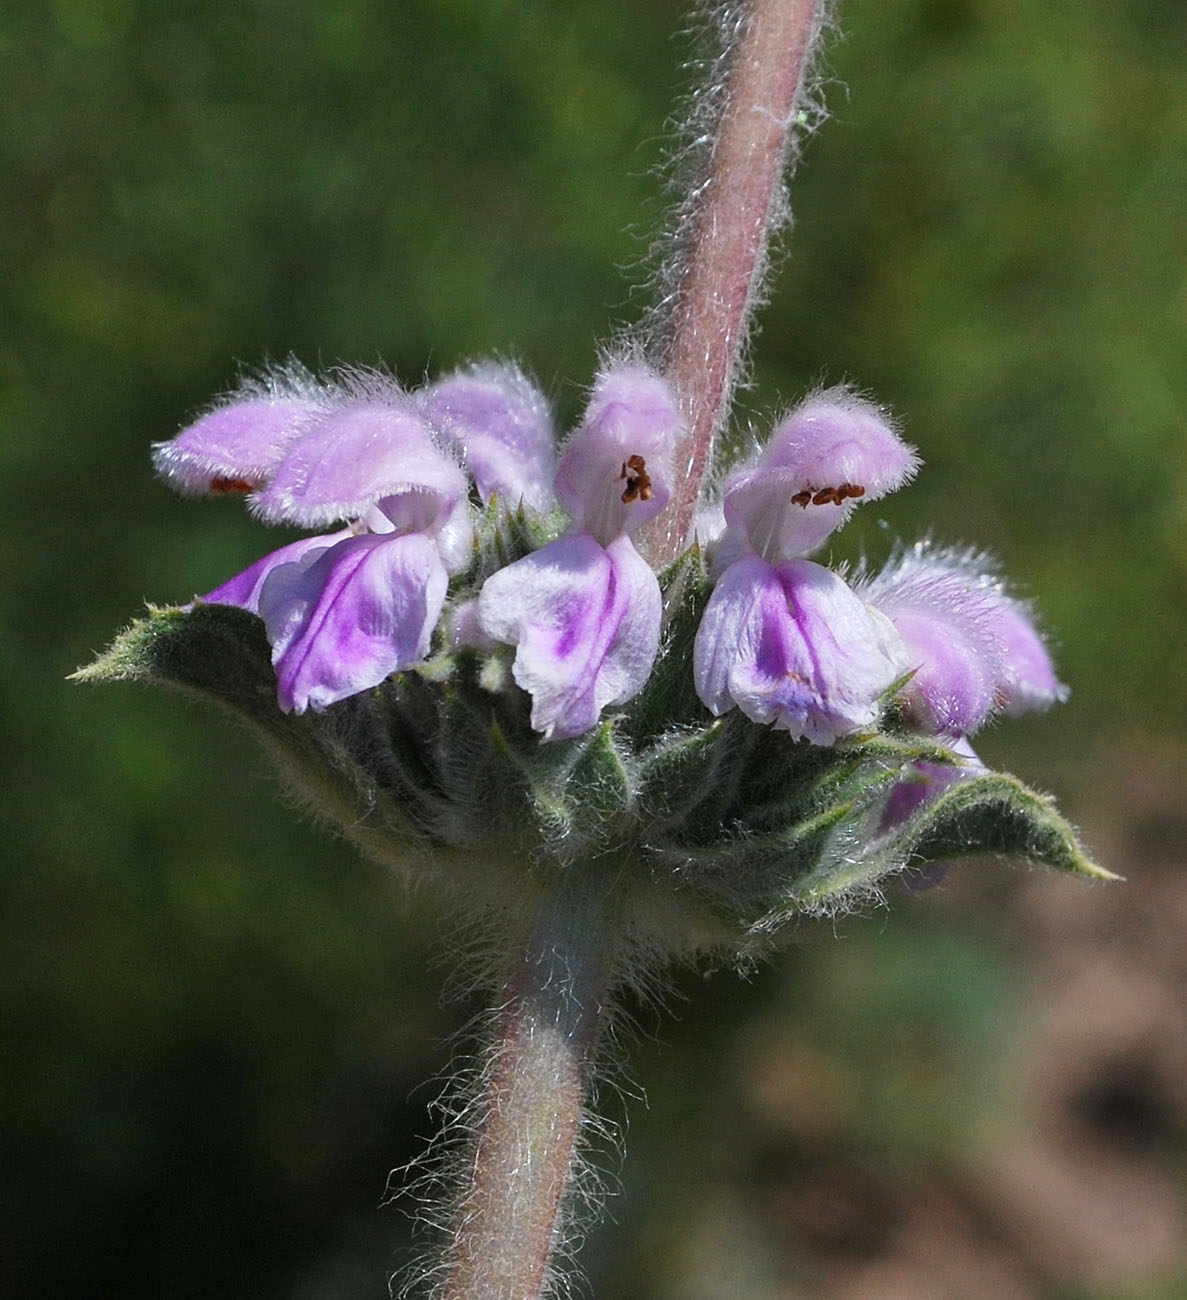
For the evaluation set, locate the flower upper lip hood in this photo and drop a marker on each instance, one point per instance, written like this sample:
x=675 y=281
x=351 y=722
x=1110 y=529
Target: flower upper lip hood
x=359 y=453
x=835 y=436
x=373 y=462
x=499 y=422
x=830 y=453
x=615 y=473
x=238 y=444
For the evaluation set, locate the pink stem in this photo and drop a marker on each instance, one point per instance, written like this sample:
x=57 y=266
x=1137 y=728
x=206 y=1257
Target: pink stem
x=510 y=1216
x=720 y=256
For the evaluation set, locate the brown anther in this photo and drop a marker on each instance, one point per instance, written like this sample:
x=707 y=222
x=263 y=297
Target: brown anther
x=802 y=499
x=826 y=496
x=221 y=483
x=851 y=490
x=638 y=481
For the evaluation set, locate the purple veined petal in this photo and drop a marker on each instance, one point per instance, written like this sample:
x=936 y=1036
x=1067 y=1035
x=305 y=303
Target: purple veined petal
x=364 y=450
x=341 y=621
x=973 y=648
x=1028 y=681
x=945 y=616
x=793 y=646
x=615 y=472
x=243 y=589
x=585 y=622
x=500 y=424
x=236 y=447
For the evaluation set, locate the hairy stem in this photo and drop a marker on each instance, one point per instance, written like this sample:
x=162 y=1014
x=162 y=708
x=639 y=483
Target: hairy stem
x=714 y=274
x=510 y=1215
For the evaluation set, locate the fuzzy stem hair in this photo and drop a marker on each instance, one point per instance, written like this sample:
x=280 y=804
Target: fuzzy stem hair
x=510 y=1215
x=744 y=139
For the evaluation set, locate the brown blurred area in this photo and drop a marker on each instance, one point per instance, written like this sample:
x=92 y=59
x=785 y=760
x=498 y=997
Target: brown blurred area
x=1060 y=1169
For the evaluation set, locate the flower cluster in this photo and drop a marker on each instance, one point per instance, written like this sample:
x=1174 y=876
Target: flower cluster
x=484 y=682
x=400 y=478
x=345 y=609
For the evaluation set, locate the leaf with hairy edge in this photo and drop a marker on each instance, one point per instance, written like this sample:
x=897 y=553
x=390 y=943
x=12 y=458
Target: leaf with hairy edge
x=340 y=761
x=995 y=813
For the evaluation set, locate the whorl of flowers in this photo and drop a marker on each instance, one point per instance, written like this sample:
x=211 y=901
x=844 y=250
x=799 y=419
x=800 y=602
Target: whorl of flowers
x=477 y=673
x=400 y=479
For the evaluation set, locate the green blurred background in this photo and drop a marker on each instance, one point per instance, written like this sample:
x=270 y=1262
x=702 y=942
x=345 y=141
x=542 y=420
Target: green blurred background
x=220 y=1027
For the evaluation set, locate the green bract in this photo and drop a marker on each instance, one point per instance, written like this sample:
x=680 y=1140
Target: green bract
x=718 y=832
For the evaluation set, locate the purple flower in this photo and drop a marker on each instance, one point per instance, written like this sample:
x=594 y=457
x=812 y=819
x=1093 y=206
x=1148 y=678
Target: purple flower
x=342 y=619
x=499 y=423
x=237 y=446
x=782 y=638
x=790 y=644
x=973 y=649
x=584 y=611
x=830 y=453
x=344 y=610
x=584 y=619
x=955 y=656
